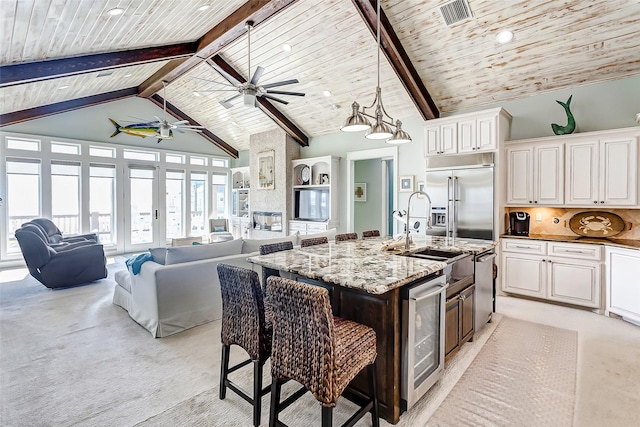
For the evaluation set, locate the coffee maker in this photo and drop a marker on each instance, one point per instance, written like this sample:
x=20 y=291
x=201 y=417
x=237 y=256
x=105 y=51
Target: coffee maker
x=519 y=223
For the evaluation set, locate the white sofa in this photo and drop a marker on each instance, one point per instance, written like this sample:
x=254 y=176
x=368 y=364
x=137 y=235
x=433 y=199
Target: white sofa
x=179 y=288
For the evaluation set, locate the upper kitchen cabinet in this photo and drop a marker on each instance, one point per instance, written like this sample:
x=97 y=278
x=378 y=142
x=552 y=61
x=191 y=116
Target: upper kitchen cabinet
x=467 y=133
x=535 y=174
x=603 y=170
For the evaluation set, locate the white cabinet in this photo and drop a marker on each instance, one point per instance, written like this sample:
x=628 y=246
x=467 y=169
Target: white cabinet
x=240 y=227
x=623 y=287
x=602 y=171
x=467 y=133
x=315 y=194
x=535 y=174
x=565 y=272
x=441 y=139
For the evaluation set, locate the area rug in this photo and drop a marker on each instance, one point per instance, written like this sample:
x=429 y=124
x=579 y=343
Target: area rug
x=525 y=375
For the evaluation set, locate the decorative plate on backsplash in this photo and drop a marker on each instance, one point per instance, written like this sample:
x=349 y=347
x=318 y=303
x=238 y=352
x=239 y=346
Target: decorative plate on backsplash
x=596 y=224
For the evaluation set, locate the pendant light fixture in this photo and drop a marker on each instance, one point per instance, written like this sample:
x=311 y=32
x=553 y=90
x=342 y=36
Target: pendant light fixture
x=382 y=129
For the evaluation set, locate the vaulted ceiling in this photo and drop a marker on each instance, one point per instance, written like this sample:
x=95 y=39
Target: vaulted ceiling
x=58 y=55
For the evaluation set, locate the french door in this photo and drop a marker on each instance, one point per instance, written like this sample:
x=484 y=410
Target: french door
x=141 y=225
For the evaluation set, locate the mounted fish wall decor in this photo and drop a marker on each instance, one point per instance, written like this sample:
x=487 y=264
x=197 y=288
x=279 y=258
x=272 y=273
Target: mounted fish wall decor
x=571 y=122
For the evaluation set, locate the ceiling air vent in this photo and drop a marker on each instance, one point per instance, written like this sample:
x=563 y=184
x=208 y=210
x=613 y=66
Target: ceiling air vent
x=455 y=11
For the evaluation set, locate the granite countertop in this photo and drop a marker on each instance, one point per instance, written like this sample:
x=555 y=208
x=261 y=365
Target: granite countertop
x=621 y=243
x=360 y=264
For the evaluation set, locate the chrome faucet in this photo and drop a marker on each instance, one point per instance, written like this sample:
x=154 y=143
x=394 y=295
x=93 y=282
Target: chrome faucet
x=407 y=241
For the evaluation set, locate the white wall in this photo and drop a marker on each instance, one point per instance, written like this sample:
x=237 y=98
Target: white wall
x=367 y=215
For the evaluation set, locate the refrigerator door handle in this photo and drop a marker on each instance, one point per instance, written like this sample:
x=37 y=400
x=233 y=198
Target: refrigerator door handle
x=456 y=194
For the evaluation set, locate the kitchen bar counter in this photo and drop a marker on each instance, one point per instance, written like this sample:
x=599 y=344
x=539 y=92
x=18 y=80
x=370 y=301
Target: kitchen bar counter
x=364 y=285
x=360 y=264
x=621 y=243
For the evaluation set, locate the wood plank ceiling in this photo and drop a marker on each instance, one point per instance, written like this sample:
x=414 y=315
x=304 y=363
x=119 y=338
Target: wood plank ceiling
x=557 y=44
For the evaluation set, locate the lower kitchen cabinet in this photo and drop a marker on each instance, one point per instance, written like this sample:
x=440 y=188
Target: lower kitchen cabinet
x=459 y=321
x=623 y=290
x=565 y=272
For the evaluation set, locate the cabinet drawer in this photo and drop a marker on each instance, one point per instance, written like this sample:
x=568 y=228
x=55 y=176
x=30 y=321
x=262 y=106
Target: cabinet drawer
x=576 y=251
x=313 y=228
x=297 y=226
x=524 y=246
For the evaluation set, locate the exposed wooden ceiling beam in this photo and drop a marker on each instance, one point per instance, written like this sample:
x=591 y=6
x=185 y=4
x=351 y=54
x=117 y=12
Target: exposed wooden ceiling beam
x=179 y=114
x=227 y=31
x=398 y=58
x=54 y=68
x=234 y=77
x=63 y=107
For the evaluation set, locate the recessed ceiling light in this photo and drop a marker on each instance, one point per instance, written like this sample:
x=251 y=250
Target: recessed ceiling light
x=128 y=75
x=63 y=87
x=504 y=36
x=204 y=7
x=196 y=93
x=326 y=93
x=286 y=47
x=115 y=11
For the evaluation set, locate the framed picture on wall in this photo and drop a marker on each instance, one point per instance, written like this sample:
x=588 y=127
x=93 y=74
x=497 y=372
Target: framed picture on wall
x=266 y=171
x=406 y=184
x=360 y=191
x=421 y=187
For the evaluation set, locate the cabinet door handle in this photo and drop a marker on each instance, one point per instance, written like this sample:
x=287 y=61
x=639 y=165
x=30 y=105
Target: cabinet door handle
x=601 y=201
x=595 y=201
x=574 y=251
x=535 y=201
x=523 y=247
x=530 y=201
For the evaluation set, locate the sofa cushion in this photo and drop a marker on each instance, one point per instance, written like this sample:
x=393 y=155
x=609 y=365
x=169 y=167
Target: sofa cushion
x=180 y=254
x=123 y=279
x=331 y=235
x=253 y=245
x=159 y=255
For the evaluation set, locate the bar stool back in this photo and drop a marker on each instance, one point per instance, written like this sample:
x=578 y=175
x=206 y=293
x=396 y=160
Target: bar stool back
x=346 y=236
x=312 y=241
x=243 y=324
x=371 y=233
x=320 y=351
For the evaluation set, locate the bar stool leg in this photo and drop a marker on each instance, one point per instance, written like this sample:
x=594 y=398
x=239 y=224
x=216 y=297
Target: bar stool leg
x=375 y=416
x=224 y=368
x=276 y=386
x=257 y=392
x=327 y=416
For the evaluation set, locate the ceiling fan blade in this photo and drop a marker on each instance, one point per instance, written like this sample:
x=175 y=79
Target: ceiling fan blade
x=273 y=98
x=281 y=92
x=217 y=90
x=257 y=75
x=181 y=122
x=227 y=102
x=286 y=82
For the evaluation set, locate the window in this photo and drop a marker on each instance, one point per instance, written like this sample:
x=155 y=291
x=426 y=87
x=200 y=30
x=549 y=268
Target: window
x=198 y=203
x=23 y=144
x=140 y=155
x=23 y=197
x=102 y=151
x=174 y=158
x=175 y=204
x=65 y=196
x=219 y=193
x=141 y=188
x=102 y=209
x=65 y=148
x=219 y=162
x=198 y=161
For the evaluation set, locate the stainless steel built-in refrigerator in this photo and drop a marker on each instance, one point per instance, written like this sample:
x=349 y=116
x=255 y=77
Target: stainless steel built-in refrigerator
x=461 y=191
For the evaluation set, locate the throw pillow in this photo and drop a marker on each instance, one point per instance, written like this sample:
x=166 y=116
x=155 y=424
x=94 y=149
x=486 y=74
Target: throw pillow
x=253 y=245
x=219 y=228
x=180 y=254
x=159 y=255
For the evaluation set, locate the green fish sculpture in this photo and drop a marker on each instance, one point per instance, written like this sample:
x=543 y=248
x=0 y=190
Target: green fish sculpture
x=571 y=124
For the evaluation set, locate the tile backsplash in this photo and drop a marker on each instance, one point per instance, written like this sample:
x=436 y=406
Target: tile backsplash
x=546 y=225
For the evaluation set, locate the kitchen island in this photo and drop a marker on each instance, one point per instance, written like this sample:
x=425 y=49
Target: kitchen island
x=365 y=285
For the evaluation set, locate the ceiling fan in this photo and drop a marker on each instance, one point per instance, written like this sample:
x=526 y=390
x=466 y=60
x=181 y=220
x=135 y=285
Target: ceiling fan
x=251 y=90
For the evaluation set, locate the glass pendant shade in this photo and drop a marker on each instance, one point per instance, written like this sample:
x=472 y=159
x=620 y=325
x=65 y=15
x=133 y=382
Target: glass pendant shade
x=356 y=122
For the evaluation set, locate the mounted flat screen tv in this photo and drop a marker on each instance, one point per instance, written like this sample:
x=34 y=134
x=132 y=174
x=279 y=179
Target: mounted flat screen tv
x=311 y=204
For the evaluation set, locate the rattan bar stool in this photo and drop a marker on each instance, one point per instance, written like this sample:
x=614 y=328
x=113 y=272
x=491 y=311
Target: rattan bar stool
x=269 y=249
x=312 y=241
x=320 y=351
x=244 y=324
x=371 y=233
x=346 y=236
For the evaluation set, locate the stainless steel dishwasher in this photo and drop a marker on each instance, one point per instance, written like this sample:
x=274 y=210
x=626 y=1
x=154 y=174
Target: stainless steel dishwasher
x=485 y=291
